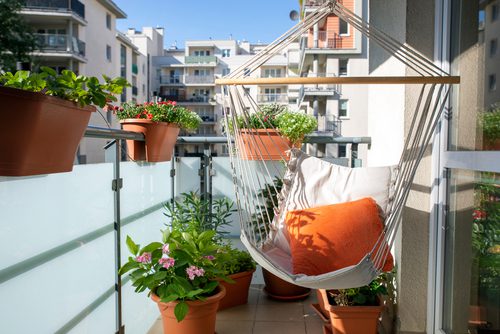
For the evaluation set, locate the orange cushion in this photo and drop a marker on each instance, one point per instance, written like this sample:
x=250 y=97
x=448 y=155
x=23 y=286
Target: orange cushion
x=331 y=237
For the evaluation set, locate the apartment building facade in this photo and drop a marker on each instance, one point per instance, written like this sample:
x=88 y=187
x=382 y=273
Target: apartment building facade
x=332 y=47
x=82 y=36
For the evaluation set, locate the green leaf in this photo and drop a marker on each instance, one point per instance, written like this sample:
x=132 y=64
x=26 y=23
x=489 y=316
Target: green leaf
x=132 y=247
x=128 y=266
x=181 y=310
x=166 y=235
x=170 y=298
x=151 y=247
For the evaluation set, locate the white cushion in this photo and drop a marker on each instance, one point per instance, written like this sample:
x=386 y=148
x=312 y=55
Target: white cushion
x=311 y=182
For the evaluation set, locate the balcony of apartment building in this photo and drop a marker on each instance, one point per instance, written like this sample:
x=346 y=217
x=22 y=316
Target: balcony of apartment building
x=199 y=80
x=56 y=46
x=193 y=99
x=329 y=125
x=54 y=11
x=200 y=61
x=172 y=80
x=272 y=98
x=321 y=90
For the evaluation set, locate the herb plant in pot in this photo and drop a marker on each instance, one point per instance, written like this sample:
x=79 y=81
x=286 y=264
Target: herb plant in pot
x=45 y=117
x=355 y=310
x=271 y=131
x=191 y=212
x=160 y=123
x=239 y=267
x=182 y=277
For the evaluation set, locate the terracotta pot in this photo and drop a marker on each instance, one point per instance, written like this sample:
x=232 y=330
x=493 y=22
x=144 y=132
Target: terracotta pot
x=199 y=320
x=351 y=319
x=236 y=293
x=323 y=303
x=279 y=289
x=39 y=134
x=160 y=139
x=263 y=144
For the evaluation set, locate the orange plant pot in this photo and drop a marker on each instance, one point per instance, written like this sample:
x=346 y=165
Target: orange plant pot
x=262 y=144
x=39 y=134
x=199 y=320
x=160 y=139
x=236 y=293
x=279 y=289
x=351 y=319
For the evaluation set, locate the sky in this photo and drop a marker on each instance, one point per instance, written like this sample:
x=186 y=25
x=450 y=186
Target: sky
x=256 y=20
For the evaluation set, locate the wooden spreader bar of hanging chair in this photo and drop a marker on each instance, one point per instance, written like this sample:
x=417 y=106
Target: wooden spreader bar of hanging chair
x=343 y=80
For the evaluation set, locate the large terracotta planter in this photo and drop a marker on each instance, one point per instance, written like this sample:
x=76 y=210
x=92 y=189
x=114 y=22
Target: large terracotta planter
x=236 y=293
x=200 y=318
x=39 y=134
x=160 y=139
x=350 y=319
x=263 y=144
x=279 y=289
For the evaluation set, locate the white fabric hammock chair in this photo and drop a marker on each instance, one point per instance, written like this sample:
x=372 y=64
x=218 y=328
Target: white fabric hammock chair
x=308 y=181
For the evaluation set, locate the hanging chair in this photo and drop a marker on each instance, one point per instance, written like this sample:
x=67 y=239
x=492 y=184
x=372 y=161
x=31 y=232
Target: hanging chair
x=308 y=221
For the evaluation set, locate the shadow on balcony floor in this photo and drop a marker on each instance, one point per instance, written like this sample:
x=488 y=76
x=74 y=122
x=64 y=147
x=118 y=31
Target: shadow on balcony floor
x=264 y=315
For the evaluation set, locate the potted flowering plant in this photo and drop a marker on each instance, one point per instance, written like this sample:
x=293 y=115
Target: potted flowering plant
x=193 y=213
x=46 y=115
x=159 y=122
x=181 y=275
x=269 y=132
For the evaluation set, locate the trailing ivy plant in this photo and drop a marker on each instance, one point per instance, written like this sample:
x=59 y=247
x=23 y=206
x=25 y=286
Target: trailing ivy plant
x=80 y=89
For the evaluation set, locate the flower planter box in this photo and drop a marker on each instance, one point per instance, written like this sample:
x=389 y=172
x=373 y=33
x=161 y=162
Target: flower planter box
x=236 y=293
x=39 y=134
x=199 y=320
x=262 y=144
x=350 y=319
x=160 y=139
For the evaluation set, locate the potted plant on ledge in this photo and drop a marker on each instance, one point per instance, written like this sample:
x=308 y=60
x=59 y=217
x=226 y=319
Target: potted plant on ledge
x=271 y=131
x=45 y=117
x=181 y=275
x=489 y=122
x=160 y=123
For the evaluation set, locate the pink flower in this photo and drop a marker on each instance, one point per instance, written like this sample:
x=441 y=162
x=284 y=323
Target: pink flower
x=144 y=258
x=194 y=272
x=166 y=249
x=167 y=262
x=209 y=257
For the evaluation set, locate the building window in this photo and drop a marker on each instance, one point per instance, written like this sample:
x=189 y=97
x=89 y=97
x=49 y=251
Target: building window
x=226 y=71
x=108 y=52
x=493 y=47
x=272 y=73
x=108 y=21
x=123 y=61
x=202 y=72
x=492 y=82
x=342 y=67
x=494 y=13
x=343 y=108
x=342 y=151
x=201 y=53
x=226 y=52
x=343 y=27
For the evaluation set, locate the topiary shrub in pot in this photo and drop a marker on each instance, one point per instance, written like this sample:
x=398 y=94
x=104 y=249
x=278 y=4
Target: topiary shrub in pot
x=45 y=116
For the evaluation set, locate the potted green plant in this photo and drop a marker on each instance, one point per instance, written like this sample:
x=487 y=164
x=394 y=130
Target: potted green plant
x=354 y=310
x=191 y=212
x=239 y=267
x=489 y=122
x=275 y=287
x=269 y=132
x=45 y=117
x=181 y=276
x=160 y=123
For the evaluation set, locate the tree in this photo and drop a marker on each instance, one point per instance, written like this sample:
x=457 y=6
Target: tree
x=16 y=37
